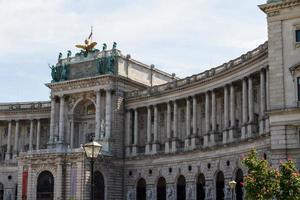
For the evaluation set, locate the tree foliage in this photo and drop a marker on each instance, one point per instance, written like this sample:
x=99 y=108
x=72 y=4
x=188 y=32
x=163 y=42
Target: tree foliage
x=266 y=183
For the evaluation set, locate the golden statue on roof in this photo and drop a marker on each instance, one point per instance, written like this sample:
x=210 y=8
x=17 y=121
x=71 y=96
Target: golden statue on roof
x=88 y=43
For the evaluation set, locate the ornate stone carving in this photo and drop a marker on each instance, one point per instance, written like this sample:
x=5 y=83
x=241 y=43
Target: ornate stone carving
x=170 y=193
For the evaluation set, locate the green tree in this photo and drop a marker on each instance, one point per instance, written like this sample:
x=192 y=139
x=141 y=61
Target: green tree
x=262 y=182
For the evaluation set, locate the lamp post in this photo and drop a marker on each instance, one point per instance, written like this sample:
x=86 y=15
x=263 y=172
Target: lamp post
x=92 y=150
x=232 y=187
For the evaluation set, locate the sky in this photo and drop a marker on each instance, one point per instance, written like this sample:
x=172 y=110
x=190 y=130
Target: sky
x=184 y=37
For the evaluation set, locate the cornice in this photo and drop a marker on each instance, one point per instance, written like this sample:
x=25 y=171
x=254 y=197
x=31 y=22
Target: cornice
x=270 y=8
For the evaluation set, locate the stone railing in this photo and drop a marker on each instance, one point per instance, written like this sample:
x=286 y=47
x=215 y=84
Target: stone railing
x=202 y=76
x=25 y=106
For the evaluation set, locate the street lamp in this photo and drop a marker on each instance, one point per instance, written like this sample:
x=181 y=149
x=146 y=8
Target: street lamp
x=92 y=150
x=232 y=187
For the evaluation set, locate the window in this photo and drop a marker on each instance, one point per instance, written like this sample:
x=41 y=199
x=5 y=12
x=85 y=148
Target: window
x=297 y=32
x=298 y=87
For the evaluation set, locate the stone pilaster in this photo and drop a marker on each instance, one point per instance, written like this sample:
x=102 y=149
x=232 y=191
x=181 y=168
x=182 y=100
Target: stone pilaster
x=61 y=120
x=175 y=131
x=226 y=114
x=232 y=113
x=98 y=115
x=16 y=145
x=262 y=102
x=108 y=113
x=167 y=144
x=59 y=182
x=250 y=126
x=149 y=125
x=187 y=123
x=128 y=132
x=155 y=145
x=194 y=139
x=207 y=120
x=8 y=152
x=136 y=133
x=72 y=134
x=38 y=134
x=244 y=108
x=31 y=135
x=52 y=122
x=213 y=118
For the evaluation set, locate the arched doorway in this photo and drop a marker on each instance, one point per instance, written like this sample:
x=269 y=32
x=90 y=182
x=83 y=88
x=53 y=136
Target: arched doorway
x=239 y=178
x=220 y=186
x=45 y=186
x=141 y=189
x=99 y=185
x=200 y=187
x=181 y=188
x=1 y=191
x=161 y=189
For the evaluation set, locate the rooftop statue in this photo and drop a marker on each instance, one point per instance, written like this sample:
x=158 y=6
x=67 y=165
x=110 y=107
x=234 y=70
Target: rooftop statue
x=88 y=45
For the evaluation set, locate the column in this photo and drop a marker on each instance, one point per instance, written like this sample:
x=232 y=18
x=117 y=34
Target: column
x=38 y=133
x=167 y=144
x=244 y=108
x=135 y=129
x=31 y=135
x=128 y=132
x=61 y=119
x=213 y=118
x=97 y=115
x=194 y=138
x=8 y=152
x=108 y=113
x=16 y=139
x=262 y=102
x=175 y=119
x=226 y=114
x=232 y=113
x=207 y=120
x=72 y=134
x=52 y=121
x=250 y=126
x=155 y=129
x=59 y=181
x=188 y=122
x=148 y=148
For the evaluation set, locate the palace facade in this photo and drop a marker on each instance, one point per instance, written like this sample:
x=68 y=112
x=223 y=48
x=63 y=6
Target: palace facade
x=162 y=137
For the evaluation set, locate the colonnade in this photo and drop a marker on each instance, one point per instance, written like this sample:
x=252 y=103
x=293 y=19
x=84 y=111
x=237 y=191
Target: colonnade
x=60 y=100
x=35 y=126
x=212 y=134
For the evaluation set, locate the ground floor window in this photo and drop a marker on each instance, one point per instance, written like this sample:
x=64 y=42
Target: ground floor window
x=45 y=186
x=220 y=186
x=200 y=187
x=181 y=188
x=141 y=189
x=99 y=186
x=161 y=189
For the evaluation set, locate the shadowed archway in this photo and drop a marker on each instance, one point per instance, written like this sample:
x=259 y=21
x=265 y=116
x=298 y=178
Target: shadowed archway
x=200 y=187
x=141 y=189
x=45 y=186
x=181 y=183
x=99 y=185
x=161 y=189
x=220 y=186
x=1 y=191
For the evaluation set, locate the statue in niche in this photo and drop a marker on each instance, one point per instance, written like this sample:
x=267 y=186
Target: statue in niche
x=190 y=193
x=170 y=193
x=150 y=194
x=227 y=192
x=102 y=129
x=208 y=192
x=129 y=194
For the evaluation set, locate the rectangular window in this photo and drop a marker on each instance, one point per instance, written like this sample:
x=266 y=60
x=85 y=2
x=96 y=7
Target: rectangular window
x=297 y=32
x=298 y=88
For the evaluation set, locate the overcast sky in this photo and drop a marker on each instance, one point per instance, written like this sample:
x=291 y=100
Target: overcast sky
x=180 y=36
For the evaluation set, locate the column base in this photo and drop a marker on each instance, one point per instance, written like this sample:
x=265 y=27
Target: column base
x=7 y=156
x=148 y=148
x=155 y=148
x=205 y=141
x=187 y=143
x=168 y=146
x=212 y=141
x=267 y=125
x=134 y=150
x=231 y=134
x=128 y=151
x=244 y=132
x=174 y=145
x=225 y=133
x=250 y=130
x=194 y=142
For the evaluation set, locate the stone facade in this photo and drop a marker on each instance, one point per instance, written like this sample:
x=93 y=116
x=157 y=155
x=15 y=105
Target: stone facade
x=162 y=137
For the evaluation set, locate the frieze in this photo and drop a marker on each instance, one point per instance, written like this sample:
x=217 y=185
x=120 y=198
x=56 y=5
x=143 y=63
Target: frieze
x=276 y=6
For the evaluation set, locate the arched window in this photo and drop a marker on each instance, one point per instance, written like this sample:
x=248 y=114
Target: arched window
x=239 y=178
x=45 y=186
x=200 y=187
x=141 y=189
x=181 y=188
x=220 y=186
x=161 y=189
x=1 y=191
x=99 y=186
